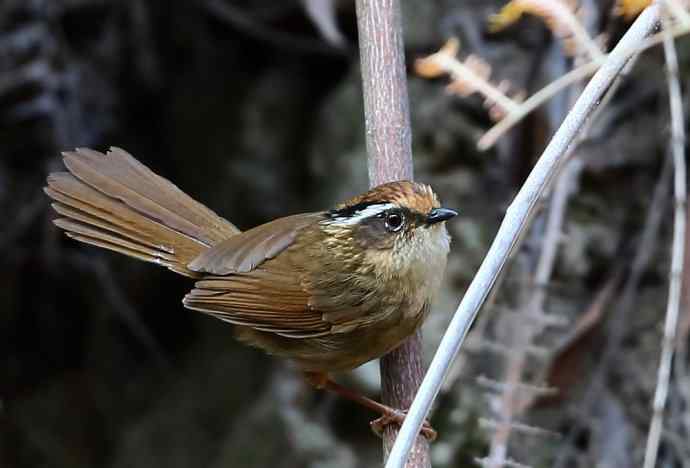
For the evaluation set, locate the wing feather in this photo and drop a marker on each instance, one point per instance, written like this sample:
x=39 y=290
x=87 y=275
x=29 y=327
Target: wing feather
x=279 y=307
x=251 y=285
x=246 y=251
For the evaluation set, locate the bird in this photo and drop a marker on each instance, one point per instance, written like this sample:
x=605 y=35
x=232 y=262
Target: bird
x=328 y=290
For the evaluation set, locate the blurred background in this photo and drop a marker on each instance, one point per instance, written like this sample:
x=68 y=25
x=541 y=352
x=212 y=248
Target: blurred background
x=255 y=109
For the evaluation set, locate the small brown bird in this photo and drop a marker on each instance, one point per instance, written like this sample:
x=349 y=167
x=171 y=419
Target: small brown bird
x=329 y=290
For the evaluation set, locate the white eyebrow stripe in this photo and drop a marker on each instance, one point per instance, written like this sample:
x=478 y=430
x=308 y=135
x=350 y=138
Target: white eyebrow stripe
x=369 y=211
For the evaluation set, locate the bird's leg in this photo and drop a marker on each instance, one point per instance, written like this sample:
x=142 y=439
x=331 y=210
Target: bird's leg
x=388 y=415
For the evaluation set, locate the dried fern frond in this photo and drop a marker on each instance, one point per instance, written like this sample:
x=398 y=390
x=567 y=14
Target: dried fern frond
x=560 y=17
x=470 y=76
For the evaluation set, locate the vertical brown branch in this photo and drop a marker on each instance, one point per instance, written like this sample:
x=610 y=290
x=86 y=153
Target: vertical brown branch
x=388 y=137
x=386 y=108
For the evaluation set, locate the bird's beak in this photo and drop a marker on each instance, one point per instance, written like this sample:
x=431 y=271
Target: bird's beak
x=440 y=214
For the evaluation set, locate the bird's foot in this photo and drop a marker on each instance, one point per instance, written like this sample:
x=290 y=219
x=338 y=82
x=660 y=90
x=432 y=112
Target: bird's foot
x=396 y=416
x=388 y=415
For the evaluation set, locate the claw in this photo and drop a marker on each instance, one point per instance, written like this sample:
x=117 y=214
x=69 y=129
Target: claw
x=389 y=415
x=397 y=417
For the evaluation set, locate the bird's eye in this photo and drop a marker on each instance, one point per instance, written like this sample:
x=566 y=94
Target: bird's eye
x=394 y=221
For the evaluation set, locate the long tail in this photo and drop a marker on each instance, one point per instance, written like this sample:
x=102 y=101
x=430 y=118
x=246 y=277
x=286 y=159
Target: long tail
x=115 y=202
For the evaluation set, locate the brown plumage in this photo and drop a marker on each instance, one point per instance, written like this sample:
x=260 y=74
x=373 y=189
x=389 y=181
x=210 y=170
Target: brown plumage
x=330 y=290
x=114 y=201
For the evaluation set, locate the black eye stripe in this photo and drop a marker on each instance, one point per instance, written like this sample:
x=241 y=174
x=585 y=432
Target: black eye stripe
x=350 y=211
x=355 y=214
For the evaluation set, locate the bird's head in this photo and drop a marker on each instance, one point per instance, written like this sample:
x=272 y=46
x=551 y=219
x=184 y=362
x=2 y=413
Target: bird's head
x=397 y=225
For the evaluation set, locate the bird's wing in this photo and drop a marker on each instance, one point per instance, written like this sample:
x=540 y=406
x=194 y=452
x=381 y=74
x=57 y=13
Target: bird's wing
x=268 y=298
x=244 y=252
x=250 y=284
x=256 y=281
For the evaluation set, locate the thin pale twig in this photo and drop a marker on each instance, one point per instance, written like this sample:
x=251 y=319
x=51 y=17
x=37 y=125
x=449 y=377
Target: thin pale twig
x=497 y=386
x=643 y=255
x=511 y=119
x=677 y=253
x=236 y=17
x=518 y=427
x=515 y=116
x=678 y=11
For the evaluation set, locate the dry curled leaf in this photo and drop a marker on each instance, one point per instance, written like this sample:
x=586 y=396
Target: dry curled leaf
x=509 y=15
x=629 y=9
x=551 y=11
x=323 y=14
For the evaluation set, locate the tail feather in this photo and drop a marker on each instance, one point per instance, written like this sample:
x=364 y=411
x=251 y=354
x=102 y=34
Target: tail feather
x=98 y=209
x=115 y=202
x=86 y=233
